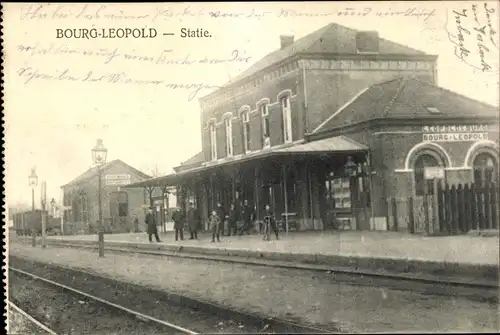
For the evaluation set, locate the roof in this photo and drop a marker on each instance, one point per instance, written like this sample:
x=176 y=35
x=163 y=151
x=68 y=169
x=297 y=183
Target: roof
x=193 y=161
x=198 y=158
x=334 y=144
x=406 y=97
x=331 y=39
x=93 y=172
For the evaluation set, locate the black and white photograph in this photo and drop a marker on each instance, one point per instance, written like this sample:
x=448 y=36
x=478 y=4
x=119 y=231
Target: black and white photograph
x=251 y=167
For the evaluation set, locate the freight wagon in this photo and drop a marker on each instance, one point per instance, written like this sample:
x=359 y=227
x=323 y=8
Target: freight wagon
x=27 y=222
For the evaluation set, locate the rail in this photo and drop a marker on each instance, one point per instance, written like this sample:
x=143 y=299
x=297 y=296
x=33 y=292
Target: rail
x=138 y=315
x=32 y=319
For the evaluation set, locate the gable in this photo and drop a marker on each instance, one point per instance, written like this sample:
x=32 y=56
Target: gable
x=114 y=167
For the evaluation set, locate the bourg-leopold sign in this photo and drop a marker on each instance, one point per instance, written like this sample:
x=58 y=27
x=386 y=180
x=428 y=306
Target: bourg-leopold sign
x=454 y=133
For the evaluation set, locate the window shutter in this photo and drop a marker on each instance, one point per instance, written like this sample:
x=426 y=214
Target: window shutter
x=220 y=139
x=237 y=137
x=255 y=143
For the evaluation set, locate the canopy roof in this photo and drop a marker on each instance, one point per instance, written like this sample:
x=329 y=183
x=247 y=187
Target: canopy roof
x=338 y=144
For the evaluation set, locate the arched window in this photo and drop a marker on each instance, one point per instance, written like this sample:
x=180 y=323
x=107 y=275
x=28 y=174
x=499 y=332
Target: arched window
x=287 y=118
x=228 y=127
x=423 y=186
x=213 y=140
x=485 y=169
x=245 y=124
x=266 y=130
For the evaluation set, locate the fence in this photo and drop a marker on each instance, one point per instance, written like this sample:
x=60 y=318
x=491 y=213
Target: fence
x=448 y=210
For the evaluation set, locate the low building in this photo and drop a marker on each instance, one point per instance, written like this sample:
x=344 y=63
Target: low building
x=332 y=125
x=119 y=205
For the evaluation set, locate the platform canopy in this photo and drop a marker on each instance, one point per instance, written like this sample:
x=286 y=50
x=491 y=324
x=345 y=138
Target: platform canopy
x=338 y=144
x=329 y=145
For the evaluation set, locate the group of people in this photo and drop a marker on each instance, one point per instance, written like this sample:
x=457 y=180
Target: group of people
x=222 y=222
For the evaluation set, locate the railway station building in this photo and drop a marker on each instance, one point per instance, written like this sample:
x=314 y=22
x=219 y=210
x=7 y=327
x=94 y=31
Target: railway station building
x=331 y=125
x=119 y=205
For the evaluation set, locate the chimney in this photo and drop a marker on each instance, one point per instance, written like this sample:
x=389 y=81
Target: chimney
x=286 y=40
x=367 y=41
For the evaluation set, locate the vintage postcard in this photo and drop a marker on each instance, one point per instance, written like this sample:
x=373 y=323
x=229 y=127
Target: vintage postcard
x=251 y=167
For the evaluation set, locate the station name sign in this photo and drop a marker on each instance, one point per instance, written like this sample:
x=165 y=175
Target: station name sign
x=117 y=179
x=454 y=133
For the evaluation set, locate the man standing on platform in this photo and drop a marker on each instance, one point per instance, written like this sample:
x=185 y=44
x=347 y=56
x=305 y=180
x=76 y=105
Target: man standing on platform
x=193 y=221
x=178 y=219
x=214 y=223
x=222 y=216
x=151 y=223
x=247 y=215
x=232 y=220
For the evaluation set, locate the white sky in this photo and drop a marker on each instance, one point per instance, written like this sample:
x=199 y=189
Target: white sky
x=53 y=124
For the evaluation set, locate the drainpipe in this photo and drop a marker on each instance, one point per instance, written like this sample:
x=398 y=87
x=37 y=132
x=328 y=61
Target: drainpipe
x=305 y=105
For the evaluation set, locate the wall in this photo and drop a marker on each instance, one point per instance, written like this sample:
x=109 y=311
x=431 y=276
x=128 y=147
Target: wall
x=395 y=144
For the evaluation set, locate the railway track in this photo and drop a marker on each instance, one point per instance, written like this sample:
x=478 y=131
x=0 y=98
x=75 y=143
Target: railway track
x=141 y=318
x=20 y=326
x=241 y=322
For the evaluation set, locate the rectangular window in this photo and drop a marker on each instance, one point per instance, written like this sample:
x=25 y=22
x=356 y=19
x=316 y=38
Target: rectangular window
x=229 y=136
x=264 y=112
x=118 y=204
x=338 y=192
x=245 y=119
x=213 y=141
x=287 y=119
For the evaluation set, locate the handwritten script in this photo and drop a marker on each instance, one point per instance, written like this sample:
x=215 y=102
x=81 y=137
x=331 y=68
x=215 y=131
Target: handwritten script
x=474 y=35
x=31 y=74
x=110 y=55
x=89 y=12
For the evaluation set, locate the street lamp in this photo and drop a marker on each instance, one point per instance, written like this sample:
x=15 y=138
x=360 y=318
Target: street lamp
x=350 y=167
x=33 y=181
x=99 y=154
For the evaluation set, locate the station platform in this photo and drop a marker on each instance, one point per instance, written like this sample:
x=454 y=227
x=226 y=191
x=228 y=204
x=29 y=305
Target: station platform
x=470 y=255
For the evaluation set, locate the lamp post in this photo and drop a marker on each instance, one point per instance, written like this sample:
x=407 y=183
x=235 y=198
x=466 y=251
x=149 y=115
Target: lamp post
x=350 y=167
x=99 y=154
x=33 y=181
x=43 y=202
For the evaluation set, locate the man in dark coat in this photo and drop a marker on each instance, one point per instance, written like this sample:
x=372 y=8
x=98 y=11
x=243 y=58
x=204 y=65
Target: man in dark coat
x=222 y=216
x=178 y=219
x=193 y=221
x=151 y=223
x=232 y=220
x=247 y=215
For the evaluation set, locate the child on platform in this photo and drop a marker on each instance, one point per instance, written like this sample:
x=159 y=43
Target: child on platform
x=215 y=223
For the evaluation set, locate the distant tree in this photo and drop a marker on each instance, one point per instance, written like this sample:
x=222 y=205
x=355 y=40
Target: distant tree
x=156 y=172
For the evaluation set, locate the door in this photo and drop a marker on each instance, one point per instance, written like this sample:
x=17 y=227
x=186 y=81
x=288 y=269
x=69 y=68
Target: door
x=360 y=202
